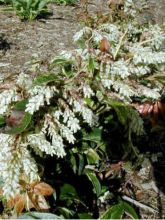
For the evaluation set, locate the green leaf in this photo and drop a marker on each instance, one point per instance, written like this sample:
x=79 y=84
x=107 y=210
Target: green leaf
x=2 y=120
x=81 y=164
x=129 y=210
x=117 y=211
x=44 y=79
x=67 y=191
x=21 y=105
x=84 y=215
x=39 y=215
x=22 y=126
x=95 y=182
x=42 y=4
x=91 y=64
x=94 y=135
x=67 y=213
x=114 y=212
x=60 y=61
x=92 y=156
x=73 y=163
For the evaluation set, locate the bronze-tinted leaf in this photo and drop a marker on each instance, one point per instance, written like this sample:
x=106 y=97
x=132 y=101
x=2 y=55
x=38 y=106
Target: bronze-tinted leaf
x=13 y=200
x=43 y=189
x=20 y=205
x=10 y=203
x=104 y=45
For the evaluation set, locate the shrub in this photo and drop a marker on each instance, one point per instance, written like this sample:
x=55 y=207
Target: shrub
x=72 y=111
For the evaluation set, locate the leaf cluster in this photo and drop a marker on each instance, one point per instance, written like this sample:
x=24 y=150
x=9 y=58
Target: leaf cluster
x=28 y=9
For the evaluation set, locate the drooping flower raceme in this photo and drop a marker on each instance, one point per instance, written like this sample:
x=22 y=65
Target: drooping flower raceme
x=39 y=95
x=15 y=160
x=6 y=98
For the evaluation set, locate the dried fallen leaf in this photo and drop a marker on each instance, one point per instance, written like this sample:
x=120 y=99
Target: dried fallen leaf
x=43 y=189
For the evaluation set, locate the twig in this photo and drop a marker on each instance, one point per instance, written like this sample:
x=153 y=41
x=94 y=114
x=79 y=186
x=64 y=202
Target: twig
x=140 y=205
x=120 y=43
x=146 y=41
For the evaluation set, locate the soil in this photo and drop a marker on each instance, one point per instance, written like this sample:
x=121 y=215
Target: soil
x=43 y=38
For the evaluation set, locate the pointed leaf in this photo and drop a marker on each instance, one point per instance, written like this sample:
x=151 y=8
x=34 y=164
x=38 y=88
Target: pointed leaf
x=2 y=120
x=39 y=215
x=114 y=212
x=95 y=182
x=91 y=64
x=92 y=156
x=94 y=135
x=67 y=213
x=60 y=61
x=45 y=78
x=81 y=164
x=84 y=215
x=130 y=210
x=21 y=105
x=67 y=191
x=20 y=205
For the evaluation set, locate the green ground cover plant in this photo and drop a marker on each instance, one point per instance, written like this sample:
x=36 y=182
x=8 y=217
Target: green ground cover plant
x=64 y=2
x=28 y=9
x=71 y=128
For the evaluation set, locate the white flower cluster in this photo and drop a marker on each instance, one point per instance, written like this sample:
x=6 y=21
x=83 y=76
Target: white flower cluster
x=14 y=160
x=107 y=83
x=57 y=130
x=28 y=164
x=111 y=31
x=69 y=124
x=149 y=93
x=124 y=90
x=87 y=114
x=88 y=92
x=129 y=7
x=85 y=32
x=24 y=81
x=155 y=36
x=120 y=68
x=139 y=70
x=39 y=141
x=6 y=98
x=39 y=96
x=51 y=128
x=145 y=55
x=70 y=119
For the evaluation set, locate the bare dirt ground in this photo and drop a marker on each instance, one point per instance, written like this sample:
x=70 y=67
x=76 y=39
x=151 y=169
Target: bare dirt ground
x=43 y=38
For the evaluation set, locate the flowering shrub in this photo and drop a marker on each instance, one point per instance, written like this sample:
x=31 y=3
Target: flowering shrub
x=54 y=113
